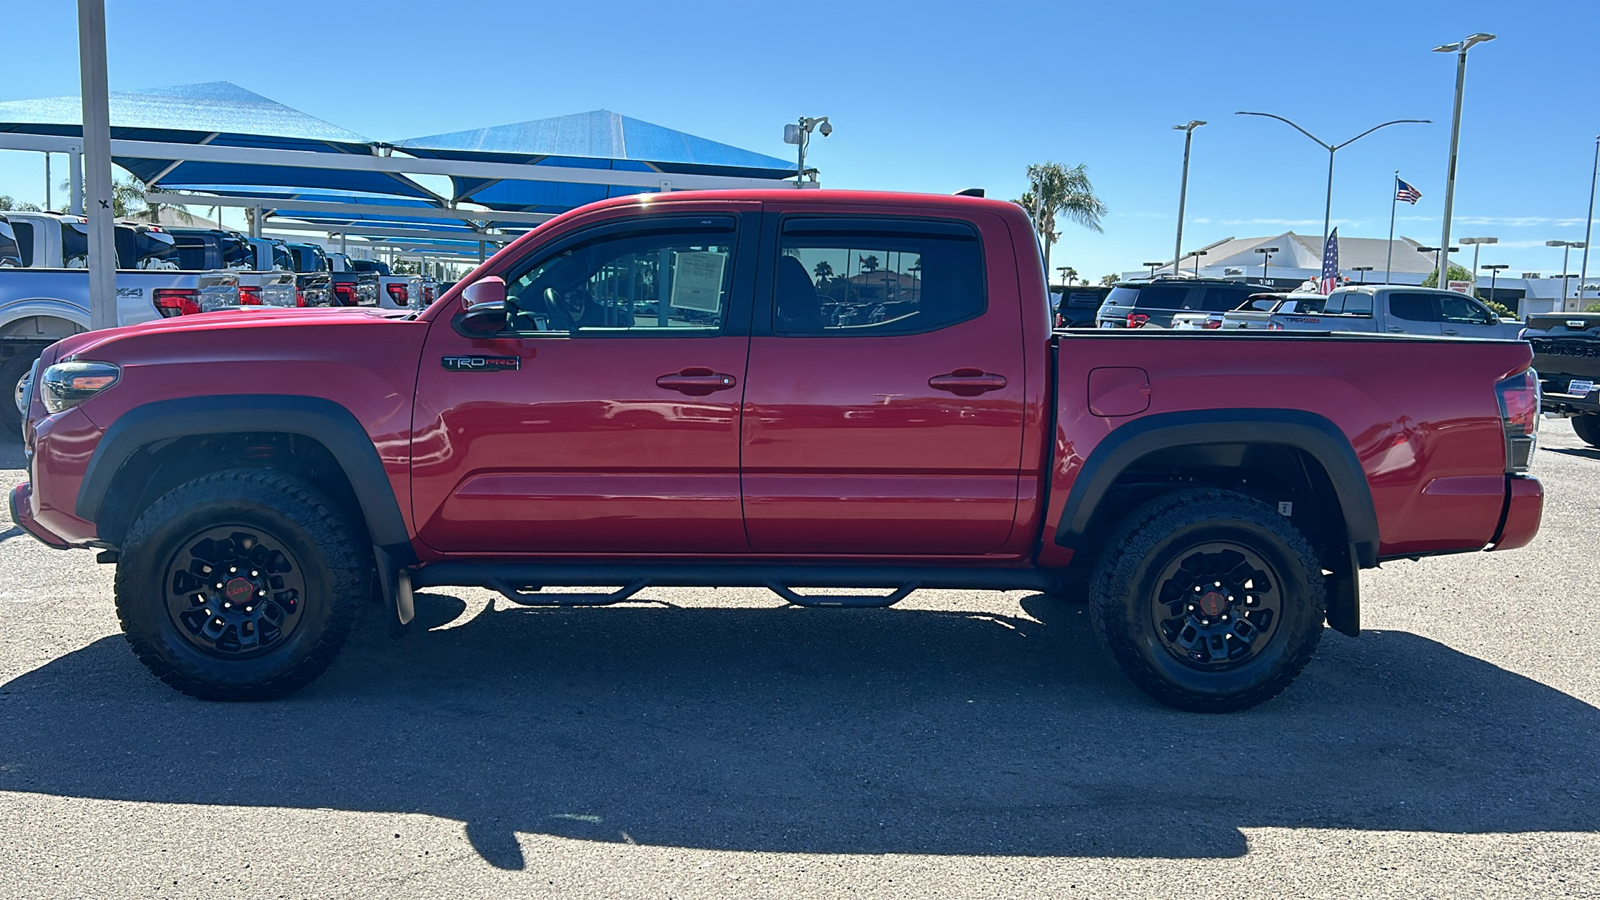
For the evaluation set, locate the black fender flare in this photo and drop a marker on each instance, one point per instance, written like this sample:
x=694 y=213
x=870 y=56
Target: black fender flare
x=1302 y=430
x=316 y=418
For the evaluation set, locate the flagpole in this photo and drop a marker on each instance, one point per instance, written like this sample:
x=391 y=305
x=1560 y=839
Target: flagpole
x=1394 y=197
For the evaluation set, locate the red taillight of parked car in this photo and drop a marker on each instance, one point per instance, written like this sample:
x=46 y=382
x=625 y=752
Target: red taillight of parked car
x=427 y=293
x=249 y=295
x=345 y=292
x=174 y=302
x=299 y=297
x=399 y=294
x=1519 y=413
x=1212 y=323
x=1137 y=320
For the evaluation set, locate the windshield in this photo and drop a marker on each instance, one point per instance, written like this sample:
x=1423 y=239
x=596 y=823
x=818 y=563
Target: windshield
x=237 y=254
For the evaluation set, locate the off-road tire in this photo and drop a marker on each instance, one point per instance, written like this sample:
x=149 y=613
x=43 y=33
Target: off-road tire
x=12 y=371
x=1160 y=533
x=1588 y=428
x=316 y=535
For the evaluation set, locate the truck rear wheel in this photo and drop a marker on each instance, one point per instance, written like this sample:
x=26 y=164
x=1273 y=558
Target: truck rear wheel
x=241 y=584
x=1588 y=428
x=1209 y=600
x=12 y=372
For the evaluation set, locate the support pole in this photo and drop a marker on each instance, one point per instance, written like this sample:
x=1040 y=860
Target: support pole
x=1450 y=172
x=1327 y=206
x=97 y=158
x=1588 y=225
x=1394 y=197
x=1183 y=196
x=75 y=181
x=47 y=202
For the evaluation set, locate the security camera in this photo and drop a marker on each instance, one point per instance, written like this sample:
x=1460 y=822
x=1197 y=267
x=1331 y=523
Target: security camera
x=826 y=128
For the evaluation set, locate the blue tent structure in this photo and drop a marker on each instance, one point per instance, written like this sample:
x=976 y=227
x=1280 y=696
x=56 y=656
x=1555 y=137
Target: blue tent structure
x=600 y=139
x=217 y=113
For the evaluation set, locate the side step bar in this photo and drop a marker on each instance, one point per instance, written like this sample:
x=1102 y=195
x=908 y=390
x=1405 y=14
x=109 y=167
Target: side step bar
x=521 y=582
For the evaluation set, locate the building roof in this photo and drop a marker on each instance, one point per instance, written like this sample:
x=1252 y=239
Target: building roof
x=1297 y=251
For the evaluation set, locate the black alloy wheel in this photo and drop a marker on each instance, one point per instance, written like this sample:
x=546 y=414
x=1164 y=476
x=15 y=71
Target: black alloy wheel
x=1208 y=599
x=233 y=591
x=241 y=584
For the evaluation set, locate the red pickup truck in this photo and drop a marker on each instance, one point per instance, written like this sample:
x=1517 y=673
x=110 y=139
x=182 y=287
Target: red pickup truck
x=790 y=389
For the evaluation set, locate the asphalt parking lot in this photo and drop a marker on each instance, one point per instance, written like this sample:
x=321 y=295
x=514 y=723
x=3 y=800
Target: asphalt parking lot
x=713 y=744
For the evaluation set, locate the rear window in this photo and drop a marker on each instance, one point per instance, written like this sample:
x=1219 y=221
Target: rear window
x=1084 y=299
x=191 y=253
x=24 y=231
x=1150 y=296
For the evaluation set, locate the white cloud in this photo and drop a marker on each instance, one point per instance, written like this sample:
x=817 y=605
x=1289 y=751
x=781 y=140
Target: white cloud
x=1501 y=221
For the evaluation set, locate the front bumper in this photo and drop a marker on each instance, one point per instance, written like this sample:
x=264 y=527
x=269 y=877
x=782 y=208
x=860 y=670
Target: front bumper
x=1524 y=507
x=22 y=514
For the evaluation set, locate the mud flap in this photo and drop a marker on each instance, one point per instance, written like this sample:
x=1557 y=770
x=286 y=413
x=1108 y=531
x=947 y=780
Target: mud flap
x=1344 y=593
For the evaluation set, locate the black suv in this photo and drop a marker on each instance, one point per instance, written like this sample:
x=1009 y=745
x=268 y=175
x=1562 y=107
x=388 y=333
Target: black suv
x=1153 y=303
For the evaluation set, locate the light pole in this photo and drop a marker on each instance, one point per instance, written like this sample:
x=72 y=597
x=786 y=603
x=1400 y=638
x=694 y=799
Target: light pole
x=1266 y=255
x=1153 y=266
x=1363 y=270
x=1197 y=254
x=1566 y=251
x=1477 y=245
x=1588 y=225
x=1183 y=188
x=1327 y=207
x=1494 y=275
x=800 y=135
x=1459 y=48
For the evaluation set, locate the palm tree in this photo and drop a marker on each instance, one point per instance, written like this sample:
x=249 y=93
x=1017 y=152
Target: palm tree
x=823 y=271
x=869 y=263
x=1109 y=280
x=1055 y=191
x=127 y=202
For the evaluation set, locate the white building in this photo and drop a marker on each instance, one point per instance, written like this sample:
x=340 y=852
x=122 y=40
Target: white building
x=1295 y=259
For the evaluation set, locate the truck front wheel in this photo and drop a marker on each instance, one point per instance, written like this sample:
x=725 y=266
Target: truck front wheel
x=240 y=584
x=1588 y=428
x=1209 y=600
x=12 y=371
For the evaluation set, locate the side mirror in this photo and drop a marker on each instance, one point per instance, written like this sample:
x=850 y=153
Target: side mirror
x=483 y=306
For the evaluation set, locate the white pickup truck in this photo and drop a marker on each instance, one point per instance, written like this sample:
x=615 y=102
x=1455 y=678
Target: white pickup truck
x=47 y=297
x=1399 y=309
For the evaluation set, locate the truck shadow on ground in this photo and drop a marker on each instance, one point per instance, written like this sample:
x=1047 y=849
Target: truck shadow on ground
x=821 y=731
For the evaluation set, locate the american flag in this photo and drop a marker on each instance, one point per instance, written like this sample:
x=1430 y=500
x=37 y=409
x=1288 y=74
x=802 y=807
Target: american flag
x=1330 y=263
x=1406 y=192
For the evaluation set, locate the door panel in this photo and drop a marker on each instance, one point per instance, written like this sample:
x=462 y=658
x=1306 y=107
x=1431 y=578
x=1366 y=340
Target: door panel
x=618 y=432
x=884 y=407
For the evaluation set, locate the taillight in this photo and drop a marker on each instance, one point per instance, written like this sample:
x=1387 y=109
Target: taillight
x=427 y=293
x=1212 y=323
x=345 y=292
x=249 y=295
x=1137 y=320
x=174 y=302
x=1519 y=414
x=399 y=294
x=299 y=297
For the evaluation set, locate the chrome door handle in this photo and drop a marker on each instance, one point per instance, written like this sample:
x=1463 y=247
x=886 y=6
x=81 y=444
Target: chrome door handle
x=697 y=381
x=967 y=382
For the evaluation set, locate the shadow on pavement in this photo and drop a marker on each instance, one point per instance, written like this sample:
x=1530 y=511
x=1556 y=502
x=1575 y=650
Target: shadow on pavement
x=821 y=731
x=1583 y=452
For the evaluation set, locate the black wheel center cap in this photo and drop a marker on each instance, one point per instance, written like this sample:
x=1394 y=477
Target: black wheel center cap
x=239 y=590
x=1213 y=604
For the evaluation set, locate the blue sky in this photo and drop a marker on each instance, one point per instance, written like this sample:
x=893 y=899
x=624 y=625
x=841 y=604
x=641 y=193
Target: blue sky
x=934 y=96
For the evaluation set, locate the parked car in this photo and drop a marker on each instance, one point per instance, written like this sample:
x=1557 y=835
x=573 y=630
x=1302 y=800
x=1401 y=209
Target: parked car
x=46 y=298
x=1152 y=303
x=1218 y=496
x=1566 y=354
x=1075 y=306
x=313 y=279
x=389 y=290
x=261 y=282
x=1400 y=309
x=1255 y=312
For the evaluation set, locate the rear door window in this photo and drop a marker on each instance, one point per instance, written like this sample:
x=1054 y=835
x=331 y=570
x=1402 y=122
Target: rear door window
x=1163 y=296
x=1222 y=299
x=871 y=275
x=1413 y=307
x=24 y=231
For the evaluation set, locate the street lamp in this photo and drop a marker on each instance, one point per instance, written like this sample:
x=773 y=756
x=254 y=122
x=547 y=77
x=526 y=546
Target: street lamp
x=1327 y=208
x=1153 y=266
x=1477 y=245
x=1266 y=255
x=1588 y=226
x=1494 y=275
x=1363 y=270
x=1197 y=254
x=1459 y=48
x=800 y=135
x=1566 y=251
x=1183 y=188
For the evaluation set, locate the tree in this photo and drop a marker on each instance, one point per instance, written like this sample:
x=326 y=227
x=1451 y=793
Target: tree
x=1457 y=273
x=127 y=202
x=869 y=263
x=7 y=202
x=1068 y=275
x=823 y=271
x=1593 y=307
x=1055 y=191
x=1109 y=280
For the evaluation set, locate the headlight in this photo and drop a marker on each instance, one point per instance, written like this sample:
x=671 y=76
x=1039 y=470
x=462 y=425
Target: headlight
x=65 y=385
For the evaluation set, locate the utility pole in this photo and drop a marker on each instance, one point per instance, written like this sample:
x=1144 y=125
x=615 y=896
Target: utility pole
x=1460 y=48
x=97 y=163
x=1183 y=189
x=1588 y=225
